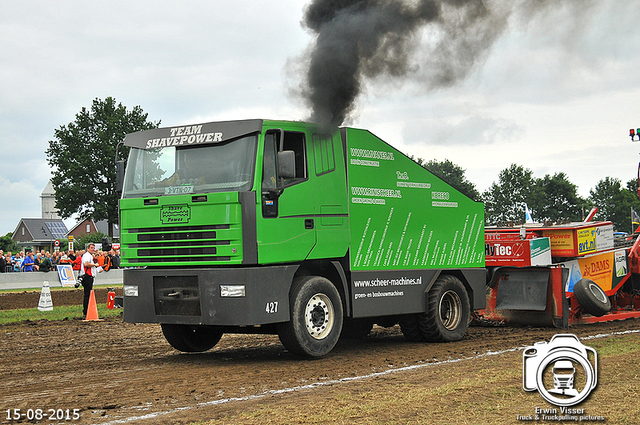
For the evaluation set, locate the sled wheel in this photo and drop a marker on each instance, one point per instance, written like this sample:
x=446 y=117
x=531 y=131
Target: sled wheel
x=448 y=314
x=191 y=339
x=591 y=297
x=316 y=317
x=409 y=327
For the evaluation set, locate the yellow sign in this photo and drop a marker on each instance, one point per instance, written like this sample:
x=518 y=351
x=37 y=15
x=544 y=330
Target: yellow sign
x=586 y=240
x=70 y=238
x=561 y=242
x=598 y=268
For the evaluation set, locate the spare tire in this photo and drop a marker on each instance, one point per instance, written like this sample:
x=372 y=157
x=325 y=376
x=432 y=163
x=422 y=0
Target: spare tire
x=591 y=297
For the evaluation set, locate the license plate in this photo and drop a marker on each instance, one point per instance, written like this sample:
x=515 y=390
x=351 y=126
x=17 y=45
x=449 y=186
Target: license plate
x=178 y=190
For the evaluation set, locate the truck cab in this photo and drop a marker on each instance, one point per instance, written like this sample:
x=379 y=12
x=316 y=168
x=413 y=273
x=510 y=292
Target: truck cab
x=255 y=226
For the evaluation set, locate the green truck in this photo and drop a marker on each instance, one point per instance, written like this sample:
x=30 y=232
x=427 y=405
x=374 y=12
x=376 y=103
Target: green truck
x=260 y=226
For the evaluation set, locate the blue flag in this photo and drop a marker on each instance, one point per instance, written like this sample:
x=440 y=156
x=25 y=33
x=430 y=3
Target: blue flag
x=527 y=214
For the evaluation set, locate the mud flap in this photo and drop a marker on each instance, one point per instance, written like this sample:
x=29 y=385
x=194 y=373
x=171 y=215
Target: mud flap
x=522 y=289
x=529 y=296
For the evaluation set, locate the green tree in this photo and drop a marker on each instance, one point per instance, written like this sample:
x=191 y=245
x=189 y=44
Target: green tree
x=615 y=202
x=453 y=175
x=632 y=186
x=82 y=157
x=505 y=201
x=82 y=240
x=64 y=244
x=7 y=244
x=556 y=198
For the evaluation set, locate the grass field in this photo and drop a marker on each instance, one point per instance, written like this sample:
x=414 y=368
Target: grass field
x=58 y=313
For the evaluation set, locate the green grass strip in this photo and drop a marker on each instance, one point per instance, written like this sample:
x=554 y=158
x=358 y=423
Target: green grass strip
x=58 y=313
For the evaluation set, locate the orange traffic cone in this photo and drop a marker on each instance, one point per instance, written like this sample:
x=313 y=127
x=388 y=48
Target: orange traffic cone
x=92 y=309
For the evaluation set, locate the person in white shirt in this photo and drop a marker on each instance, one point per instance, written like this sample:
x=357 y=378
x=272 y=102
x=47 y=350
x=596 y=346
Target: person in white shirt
x=89 y=270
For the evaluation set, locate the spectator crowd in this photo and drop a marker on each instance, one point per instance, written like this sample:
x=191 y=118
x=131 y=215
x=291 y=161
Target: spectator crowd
x=45 y=261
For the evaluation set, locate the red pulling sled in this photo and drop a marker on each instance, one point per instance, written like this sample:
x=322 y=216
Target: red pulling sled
x=558 y=275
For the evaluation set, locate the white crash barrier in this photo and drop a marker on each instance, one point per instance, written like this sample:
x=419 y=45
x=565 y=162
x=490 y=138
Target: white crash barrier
x=34 y=280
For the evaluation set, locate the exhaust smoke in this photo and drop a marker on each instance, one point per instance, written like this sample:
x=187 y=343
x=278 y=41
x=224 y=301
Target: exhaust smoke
x=435 y=42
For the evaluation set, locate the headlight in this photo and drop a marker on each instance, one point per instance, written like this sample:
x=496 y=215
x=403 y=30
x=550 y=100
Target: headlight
x=235 y=291
x=130 y=290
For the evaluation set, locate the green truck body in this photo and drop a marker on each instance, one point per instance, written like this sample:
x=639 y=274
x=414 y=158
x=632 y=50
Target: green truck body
x=276 y=226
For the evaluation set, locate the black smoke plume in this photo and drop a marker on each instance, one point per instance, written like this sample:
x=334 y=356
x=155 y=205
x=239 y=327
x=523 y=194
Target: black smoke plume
x=436 y=42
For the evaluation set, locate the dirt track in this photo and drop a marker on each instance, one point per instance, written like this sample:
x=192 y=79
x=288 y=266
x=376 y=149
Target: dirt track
x=112 y=370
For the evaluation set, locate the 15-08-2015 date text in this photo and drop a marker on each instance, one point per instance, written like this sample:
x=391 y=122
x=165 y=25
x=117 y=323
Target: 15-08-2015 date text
x=43 y=414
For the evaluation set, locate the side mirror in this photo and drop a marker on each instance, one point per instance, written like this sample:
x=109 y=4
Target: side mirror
x=119 y=177
x=287 y=164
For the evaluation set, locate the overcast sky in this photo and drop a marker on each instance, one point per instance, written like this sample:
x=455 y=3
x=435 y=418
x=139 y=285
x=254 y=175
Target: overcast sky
x=557 y=91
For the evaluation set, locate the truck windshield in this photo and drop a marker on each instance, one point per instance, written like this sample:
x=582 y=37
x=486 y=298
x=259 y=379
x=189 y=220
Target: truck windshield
x=221 y=167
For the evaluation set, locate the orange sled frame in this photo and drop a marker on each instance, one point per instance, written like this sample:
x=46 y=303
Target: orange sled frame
x=536 y=296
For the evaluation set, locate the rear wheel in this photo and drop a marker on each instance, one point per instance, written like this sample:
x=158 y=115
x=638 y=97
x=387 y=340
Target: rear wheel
x=409 y=327
x=316 y=317
x=191 y=339
x=447 y=317
x=591 y=297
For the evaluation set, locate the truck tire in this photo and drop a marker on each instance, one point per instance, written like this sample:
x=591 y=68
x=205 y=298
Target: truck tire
x=448 y=314
x=316 y=317
x=591 y=297
x=191 y=339
x=409 y=327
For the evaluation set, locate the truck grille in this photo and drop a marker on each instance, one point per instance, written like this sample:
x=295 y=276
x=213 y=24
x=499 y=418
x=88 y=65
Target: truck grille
x=180 y=244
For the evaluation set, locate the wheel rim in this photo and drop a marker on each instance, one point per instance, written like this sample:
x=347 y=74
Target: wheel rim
x=319 y=316
x=598 y=293
x=450 y=310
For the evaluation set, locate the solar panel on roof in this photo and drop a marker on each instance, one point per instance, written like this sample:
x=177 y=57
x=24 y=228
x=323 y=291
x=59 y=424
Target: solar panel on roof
x=57 y=228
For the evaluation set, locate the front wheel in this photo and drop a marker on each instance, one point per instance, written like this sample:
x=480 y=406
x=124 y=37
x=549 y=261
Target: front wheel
x=316 y=317
x=191 y=339
x=447 y=317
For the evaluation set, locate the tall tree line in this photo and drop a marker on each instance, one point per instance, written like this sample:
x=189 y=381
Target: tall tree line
x=551 y=198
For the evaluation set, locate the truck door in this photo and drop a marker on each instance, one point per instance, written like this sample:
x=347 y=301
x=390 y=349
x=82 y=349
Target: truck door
x=285 y=222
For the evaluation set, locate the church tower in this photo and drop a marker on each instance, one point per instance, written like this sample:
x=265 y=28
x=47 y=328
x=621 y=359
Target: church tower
x=48 y=197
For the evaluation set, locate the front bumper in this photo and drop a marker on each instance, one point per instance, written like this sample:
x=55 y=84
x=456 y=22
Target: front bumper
x=242 y=296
